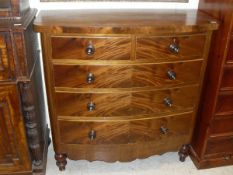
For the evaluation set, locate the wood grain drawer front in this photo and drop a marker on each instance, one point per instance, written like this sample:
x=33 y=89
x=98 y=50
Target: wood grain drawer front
x=172 y=48
x=220 y=145
x=6 y=61
x=155 y=75
x=126 y=104
x=123 y=132
x=224 y=104
x=91 y=48
x=222 y=126
x=227 y=80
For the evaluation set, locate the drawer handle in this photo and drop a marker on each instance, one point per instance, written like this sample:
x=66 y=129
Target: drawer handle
x=174 y=47
x=90 y=49
x=90 y=78
x=163 y=130
x=171 y=75
x=168 y=102
x=91 y=106
x=92 y=134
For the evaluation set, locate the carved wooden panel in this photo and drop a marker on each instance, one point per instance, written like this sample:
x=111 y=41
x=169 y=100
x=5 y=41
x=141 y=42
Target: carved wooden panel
x=12 y=154
x=6 y=61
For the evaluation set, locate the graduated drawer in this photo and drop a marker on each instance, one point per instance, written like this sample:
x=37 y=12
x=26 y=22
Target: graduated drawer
x=224 y=103
x=170 y=48
x=6 y=60
x=126 y=103
x=123 y=132
x=222 y=125
x=127 y=76
x=91 y=48
x=219 y=145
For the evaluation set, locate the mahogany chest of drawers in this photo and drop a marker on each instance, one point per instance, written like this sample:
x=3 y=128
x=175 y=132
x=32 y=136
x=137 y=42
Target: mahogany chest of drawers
x=212 y=143
x=123 y=84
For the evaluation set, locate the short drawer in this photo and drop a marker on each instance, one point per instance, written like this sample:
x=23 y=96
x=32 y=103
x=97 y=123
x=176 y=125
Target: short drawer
x=220 y=145
x=6 y=59
x=222 y=126
x=126 y=104
x=123 y=132
x=127 y=76
x=172 y=48
x=91 y=48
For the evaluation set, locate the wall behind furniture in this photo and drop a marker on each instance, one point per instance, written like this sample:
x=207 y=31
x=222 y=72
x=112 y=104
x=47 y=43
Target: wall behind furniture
x=193 y=4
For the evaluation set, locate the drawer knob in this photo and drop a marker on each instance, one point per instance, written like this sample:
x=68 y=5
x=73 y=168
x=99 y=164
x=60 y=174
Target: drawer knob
x=90 y=49
x=92 y=135
x=167 y=102
x=163 y=130
x=91 y=106
x=171 y=75
x=90 y=78
x=174 y=47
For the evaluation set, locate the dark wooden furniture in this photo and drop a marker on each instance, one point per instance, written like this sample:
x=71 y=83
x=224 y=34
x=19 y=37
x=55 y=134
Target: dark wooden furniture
x=23 y=128
x=123 y=84
x=212 y=143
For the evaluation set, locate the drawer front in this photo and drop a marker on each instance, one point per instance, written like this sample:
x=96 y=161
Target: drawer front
x=221 y=145
x=227 y=80
x=126 y=104
x=230 y=51
x=155 y=75
x=91 y=48
x=123 y=132
x=6 y=61
x=224 y=104
x=174 y=48
x=222 y=126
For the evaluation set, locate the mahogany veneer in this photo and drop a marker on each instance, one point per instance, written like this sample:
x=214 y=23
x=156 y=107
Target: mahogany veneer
x=123 y=84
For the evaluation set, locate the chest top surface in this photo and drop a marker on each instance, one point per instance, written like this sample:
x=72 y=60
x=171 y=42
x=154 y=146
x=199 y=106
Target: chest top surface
x=123 y=21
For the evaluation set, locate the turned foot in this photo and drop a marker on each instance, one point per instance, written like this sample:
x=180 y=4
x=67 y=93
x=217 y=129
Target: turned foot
x=61 y=161
x=184 y=152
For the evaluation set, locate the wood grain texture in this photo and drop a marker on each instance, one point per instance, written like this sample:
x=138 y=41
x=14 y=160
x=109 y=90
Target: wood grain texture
x=146 y=22
x=153 y=48
x=119 y=76
x=135 y=131
x=105 y=48
x=6 y=60
x=126 y=104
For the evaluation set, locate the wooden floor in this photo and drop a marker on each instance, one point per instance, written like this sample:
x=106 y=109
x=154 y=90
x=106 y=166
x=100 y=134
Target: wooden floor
x=167 y=164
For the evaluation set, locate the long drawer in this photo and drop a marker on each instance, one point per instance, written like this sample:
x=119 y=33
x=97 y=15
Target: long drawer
x=126 y=103
x=127 y=76
x=123 y=132
x=91 y=48
x=173 y=47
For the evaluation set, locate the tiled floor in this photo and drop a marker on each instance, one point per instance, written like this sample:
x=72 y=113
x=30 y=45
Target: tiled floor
x=167 y=164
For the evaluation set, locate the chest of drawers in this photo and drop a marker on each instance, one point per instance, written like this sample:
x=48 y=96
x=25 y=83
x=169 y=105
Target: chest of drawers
x=123 y=84
x=212 y=143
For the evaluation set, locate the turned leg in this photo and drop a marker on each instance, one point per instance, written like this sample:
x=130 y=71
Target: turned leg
x=61 y=161
x=184 y=152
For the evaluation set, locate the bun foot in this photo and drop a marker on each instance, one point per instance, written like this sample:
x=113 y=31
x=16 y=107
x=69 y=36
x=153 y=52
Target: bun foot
x=184 y=152
x=61 y=161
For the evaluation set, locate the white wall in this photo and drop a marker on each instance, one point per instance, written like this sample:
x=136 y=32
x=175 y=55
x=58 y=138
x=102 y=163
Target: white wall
x=193 y=4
